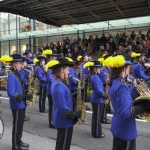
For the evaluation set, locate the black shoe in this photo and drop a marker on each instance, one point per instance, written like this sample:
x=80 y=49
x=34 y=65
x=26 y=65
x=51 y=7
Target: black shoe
x=24 y=144
x=110 y=111
x=102 y=135
x=26 y=118
x=45 y=111
x=87 y=108
x=107 y=121
x=23 y=148
x=51 y=126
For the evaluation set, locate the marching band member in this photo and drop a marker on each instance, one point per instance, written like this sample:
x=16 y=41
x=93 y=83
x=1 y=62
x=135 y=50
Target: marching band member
x=84 y=58
x=123 y=126
x=97 y=98
x=29 y=57
x=50 y=55
x=40 y=73
x=104 y=76
x=64 y=117
x=24 y=74
x=17 y=99
x=137 y=69
x=2 y=70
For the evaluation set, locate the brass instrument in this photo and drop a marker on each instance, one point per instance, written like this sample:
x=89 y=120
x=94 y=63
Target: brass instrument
x=144 y=92
x=3 y=78
x=107 y=100
x=147 y=65
x=80 y=104
x=31 y=88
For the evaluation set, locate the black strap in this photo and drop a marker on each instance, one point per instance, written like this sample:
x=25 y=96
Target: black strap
x=25 y=72
x=43 y=70
x=16 y=73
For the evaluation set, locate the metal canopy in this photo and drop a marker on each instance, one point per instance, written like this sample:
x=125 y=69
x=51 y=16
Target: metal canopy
x=66 y=12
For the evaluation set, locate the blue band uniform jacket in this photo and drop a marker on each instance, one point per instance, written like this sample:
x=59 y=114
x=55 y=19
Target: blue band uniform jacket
x=50 y=77
x=14 y=87
x=97 y=87
x=72 y=82
x=123 y=126
x=24 y=77
x=41 y=75
x=62 y=104
x=138 y=71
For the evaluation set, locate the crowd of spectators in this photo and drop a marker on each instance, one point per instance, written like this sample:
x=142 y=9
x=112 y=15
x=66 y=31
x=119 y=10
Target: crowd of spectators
x=110 y=44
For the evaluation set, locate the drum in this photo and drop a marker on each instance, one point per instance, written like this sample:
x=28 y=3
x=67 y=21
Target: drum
x=1 y=127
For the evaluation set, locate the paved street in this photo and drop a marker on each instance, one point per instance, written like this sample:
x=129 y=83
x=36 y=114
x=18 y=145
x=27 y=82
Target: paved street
x=40 y=137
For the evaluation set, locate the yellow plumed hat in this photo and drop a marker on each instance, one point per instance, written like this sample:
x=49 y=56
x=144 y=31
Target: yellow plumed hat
x=94 y=63
x=6 y=59
x=58 y=62
x=69 y=59
x=51 y=64
x=35 y=60
x=88 y=64
x=101 y=60
x=79 y=58
x=47 y=52
x=115 y=61
x=133 y=54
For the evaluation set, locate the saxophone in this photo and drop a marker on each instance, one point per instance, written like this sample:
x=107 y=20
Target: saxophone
x=144 y=93
x=106 y=101
x=31 y=88
x=80 y=104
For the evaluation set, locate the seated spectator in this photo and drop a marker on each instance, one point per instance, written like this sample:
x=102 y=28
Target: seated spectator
x=134 y=45
x=101 y=51
x=117 y=38
x=89 y=49
x=108 y=48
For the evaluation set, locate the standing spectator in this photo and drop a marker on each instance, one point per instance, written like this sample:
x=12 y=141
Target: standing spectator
x=110 y=36
x=133 y=35
x=45 y=46
x=97 y=42
x=103 y=40
x=112 y=44
x=58 y=47
x=75 y=52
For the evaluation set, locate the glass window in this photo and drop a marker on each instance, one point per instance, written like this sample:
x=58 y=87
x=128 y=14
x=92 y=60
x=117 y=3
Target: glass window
x=5 y=48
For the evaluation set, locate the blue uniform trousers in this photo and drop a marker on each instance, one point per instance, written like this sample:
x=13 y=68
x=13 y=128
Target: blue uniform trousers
x=96 y=119
x=18 y=121
x=50 y=112
x=42 y=98
x=119 y=144
x=64 y=137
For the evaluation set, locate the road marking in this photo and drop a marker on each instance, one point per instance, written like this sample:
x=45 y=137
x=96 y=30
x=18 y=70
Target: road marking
x=90 y=112
x=110 y=115
x=4 y=97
